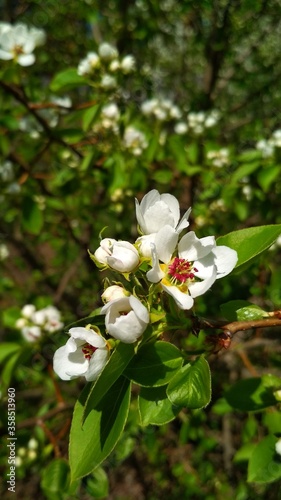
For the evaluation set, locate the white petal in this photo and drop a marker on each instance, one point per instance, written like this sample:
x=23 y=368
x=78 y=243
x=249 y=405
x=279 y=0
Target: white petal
x=166 y=241
x=192 y=248
x=69 y=365
x=26 y=59
x=184 y=221
x=157 y=216
x=87 y=335
x=199 y=288
x=183 y=300
x=96 y=364
x=173 y=205
x=126 y=328
x=6 y=56
x=139 y=309
x=225 y=260
x=155 y=274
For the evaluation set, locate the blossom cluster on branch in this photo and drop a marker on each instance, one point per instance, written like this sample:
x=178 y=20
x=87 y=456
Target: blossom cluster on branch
x=161 y=263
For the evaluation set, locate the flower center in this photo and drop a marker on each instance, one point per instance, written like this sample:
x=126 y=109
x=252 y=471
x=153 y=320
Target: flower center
x=88 y=351
x=181 y=270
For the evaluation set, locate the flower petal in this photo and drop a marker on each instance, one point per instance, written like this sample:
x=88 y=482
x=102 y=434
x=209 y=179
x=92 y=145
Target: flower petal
x=166 y=241
x=200 y=287
x=96 y=364
x=139 y=309
x=155 y=274
x=225 y=260
x=183 y=300
x=87 y=336
x=192 y=248
x=67 y=364
x=184 y=221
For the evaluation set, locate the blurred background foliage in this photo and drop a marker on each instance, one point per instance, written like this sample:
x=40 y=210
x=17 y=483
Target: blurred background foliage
x=68 y=168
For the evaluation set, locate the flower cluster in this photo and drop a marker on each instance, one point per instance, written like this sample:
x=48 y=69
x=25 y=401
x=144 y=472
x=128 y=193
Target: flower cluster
x=197 y=123
x=219 y=158
x=104 y=65
x=183 y=267
x=161 y=109
x=267 y=146
x=17 y=43
x=34 y=323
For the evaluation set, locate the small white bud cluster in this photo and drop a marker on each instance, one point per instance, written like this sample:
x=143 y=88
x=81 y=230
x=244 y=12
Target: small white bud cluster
x=219 y=158
x=197 y=123
x=267 y=146
x=33 y=322
x=105 y=65
x=161 y=109
x=134 y=140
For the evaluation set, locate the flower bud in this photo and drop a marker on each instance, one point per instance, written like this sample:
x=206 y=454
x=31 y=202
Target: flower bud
x=126 y=319
x=113 y=292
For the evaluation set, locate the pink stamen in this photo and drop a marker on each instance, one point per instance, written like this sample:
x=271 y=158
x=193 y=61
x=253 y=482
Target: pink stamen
x=88 y=351
x=181 y=270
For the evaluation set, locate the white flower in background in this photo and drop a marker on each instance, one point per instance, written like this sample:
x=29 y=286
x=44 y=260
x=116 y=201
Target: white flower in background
x=114 y=65
x=126 y=318
x=6 y=171
x=34 y=323
x=161 y=109
x=199 y=263
x=84 y=354
x=113 y=292
x=134 y=140
x=4 y=27
x=120 y=255
x=4 y=251
x=128 y=64
x=62 y=102
x=88 y=64
x=107 y=51
x=275 y=139
x=219 y=158
x=181 y=128
x=28 y=310
x=110 y=115
x=31 y=333
x=158 y=210
x=18 y=43
x=108 y=82
x=265 y=147
x=278 y=447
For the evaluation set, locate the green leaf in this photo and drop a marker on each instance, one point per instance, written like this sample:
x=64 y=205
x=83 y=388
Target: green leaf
x=55 y=478
x=154 y=364
x=18 y=357
x=229 y=309
x=89 y=116
x=267 y=176
x=112 y=371
x=264 y=464
x=191 y=386
x=244 y=453
x=244 y=170
x=253 y=394
x=250 y=242
x=32 y=216
x=154 y=406
x=97 y=484
x=66 y=80
x=7 y=349
x=251 y=313
x=92 y=442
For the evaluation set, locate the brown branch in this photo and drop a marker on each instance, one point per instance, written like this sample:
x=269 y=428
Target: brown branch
x=239 y=326
x=33 y=421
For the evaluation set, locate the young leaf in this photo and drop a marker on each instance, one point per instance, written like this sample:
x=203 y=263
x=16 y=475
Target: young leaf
x=191 y=386
x=91 y=442
x=111 y=372
x=66 y=80
x=154 y=364
x=253 y=394
x=264 y=464
x=251 y=241
x=154 y=406
x=55 y=477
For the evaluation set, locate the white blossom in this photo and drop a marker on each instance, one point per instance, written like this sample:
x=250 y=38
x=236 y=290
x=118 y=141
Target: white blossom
x=84 y=354
x=113 y=292
x=108 y=82
x=199 y=263
x=125 y=318
x=107 y=51
x=88 y=64
x=31 y=333
x=134 y=140
x=18 y=43
x=120 y=255
x=128 y=64
x=156 y=211
x=181 y=128
x=278 y=446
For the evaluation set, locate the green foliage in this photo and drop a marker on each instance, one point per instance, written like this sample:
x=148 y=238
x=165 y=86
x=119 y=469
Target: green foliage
x=69 y=169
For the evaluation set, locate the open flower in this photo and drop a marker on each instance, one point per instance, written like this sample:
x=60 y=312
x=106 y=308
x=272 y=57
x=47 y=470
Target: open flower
x=125 y=319
x=199 y=263
x=121 y=256
x=158 y=210
x=18 y=43
x=84 y=354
